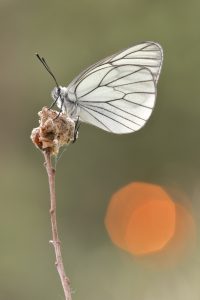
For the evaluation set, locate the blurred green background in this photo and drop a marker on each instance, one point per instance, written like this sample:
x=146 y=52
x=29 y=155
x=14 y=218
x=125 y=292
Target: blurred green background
x=72 y=35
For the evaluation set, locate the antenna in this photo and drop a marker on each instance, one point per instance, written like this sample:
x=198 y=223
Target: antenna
x=43 y=61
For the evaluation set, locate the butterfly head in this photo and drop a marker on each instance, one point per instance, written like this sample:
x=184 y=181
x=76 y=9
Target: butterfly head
x=58 y=94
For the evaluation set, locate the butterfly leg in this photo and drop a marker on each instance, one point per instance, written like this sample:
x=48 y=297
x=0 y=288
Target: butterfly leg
x=76 y=129
x=52 y=105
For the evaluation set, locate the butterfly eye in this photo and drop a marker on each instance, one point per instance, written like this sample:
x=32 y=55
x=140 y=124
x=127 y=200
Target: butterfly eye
x=58 y=91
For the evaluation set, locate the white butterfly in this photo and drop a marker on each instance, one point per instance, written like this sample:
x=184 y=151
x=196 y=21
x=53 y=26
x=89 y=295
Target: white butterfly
x=118 y=93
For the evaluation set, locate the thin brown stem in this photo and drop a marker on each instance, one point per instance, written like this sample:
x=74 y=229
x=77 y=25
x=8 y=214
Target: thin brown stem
x=55 y=238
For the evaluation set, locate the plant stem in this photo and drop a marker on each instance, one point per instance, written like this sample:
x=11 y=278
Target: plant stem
x=55 y=238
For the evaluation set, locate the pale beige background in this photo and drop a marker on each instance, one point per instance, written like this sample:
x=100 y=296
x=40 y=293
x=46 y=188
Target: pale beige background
x=72 y=35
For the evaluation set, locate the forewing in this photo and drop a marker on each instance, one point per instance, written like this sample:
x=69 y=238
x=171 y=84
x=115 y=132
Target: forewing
x=118 y=99
x=146 y=54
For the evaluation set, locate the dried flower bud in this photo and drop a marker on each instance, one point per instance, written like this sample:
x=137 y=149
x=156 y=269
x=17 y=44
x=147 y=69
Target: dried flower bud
x=55 y=130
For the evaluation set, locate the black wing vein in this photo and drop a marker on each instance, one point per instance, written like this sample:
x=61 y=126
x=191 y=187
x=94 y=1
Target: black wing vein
x=119 y=90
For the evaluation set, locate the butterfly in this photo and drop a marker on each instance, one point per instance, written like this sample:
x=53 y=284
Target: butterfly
x=116 y=94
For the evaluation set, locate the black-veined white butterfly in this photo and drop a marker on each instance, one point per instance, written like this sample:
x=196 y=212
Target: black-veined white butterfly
x=118 y=93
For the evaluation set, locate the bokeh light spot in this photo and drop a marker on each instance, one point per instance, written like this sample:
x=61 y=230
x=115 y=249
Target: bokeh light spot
x=151 y=226
x=143 y=219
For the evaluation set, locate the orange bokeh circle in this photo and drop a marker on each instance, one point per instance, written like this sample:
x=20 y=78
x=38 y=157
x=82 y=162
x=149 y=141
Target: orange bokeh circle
x=143 y=219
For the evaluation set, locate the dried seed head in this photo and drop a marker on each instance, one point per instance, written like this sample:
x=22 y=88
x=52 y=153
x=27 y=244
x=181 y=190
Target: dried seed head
x=55 y=130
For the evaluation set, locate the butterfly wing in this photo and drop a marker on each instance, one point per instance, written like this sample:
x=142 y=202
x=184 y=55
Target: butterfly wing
x=118 y=93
